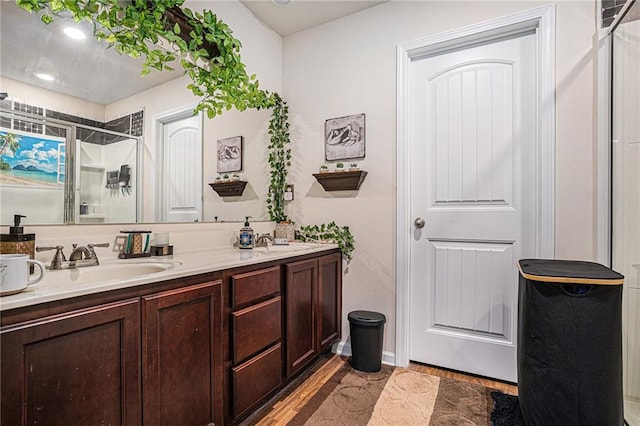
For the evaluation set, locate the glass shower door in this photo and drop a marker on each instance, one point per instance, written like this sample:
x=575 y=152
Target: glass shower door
x=626 y=196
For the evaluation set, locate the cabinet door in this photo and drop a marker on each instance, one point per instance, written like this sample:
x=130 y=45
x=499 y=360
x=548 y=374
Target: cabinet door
x=76 y=368
x=182 y=356
x=329 y=300
x=301 y=295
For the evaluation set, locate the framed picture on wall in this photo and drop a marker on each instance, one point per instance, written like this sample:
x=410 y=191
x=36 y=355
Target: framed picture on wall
x=230 y=154
x=344 y=137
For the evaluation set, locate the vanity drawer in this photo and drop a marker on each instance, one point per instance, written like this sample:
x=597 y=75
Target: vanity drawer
x=255 y=285
x=255 y=379
x=256 y=327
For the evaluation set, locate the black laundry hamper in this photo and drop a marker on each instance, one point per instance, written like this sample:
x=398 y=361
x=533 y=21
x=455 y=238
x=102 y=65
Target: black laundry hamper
x=569 y=343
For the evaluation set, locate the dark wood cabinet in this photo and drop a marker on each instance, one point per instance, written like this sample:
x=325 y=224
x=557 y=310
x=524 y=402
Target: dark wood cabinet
x=329 y=313
x=256 y=338
x=182 y=352
x=255 y=379
x=253 y=286
x=80 y=367
x=86 y=366
x=301 y=289
x=313 y=292
x=198 y=350
x=255 y=328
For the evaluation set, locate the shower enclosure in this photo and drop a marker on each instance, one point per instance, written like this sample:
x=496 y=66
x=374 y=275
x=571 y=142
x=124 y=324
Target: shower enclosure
x=625 y=192
x=55 y=171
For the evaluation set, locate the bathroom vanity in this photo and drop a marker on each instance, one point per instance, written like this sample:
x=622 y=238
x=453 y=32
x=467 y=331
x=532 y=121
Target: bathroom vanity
x=203 y=343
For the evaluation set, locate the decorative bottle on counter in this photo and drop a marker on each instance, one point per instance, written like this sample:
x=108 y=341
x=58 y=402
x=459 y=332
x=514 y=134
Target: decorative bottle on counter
x=17 y=242
x=246 y=235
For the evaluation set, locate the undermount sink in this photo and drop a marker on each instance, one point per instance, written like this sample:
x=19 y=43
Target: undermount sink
x=286 y=248
x=108 y=272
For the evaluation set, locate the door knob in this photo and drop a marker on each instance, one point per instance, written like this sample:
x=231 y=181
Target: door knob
x=419 y=222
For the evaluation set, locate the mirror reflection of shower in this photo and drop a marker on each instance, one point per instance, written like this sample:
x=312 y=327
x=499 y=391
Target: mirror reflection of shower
x=56 y=171
x=626 y=195
x=105 y=193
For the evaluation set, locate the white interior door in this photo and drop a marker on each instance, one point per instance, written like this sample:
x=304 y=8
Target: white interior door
x=472 y=141
x=182 y=172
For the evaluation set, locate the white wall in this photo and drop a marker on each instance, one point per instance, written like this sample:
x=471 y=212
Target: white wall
x=36 y=96
x=349 y=66
x=29 y=201
x=262 y=54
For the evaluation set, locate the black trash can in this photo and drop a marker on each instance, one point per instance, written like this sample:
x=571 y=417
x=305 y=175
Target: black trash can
x=367 y=332
x=569 y=343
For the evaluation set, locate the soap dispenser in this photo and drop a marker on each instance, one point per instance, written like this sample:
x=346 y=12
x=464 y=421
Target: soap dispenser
x=17 y=242
x=246 y=235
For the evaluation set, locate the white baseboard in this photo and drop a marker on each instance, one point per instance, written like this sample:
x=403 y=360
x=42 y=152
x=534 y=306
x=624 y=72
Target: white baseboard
x=344 y=348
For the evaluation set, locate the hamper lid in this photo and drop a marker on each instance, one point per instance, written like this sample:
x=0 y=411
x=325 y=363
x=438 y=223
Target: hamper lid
x=568 y=272
x=366 y=318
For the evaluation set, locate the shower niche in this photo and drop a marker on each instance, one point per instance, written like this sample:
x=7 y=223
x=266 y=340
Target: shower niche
x=105 y=192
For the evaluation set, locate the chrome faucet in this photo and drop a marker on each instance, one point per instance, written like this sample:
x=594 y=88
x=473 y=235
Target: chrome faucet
x=80 y=256
x=262 y=239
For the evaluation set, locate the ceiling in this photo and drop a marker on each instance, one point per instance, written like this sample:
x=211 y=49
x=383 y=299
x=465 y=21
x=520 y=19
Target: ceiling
x=300 y=15
x=80 y=67
x=83 y=68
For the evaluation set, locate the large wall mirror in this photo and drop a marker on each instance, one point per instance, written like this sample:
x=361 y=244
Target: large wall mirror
x=98 y=123
x=626 y=194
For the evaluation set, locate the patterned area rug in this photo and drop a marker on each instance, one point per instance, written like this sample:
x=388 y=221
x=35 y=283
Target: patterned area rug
x=395 y=396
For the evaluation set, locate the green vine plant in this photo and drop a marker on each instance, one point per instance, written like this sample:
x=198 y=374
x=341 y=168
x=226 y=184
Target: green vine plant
x=279 y=159
x=329 y=232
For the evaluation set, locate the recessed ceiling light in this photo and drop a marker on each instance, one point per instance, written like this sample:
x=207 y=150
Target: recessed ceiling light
x=281 y=2
x=74 y=33
x=45 y=76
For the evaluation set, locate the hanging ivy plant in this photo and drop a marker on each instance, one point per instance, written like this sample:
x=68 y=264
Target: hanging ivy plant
x=279 y=159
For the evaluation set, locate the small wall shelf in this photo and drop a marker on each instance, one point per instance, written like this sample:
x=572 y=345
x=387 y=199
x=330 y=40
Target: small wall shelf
x=92 y=216
x=229 y=189
x=341 y=181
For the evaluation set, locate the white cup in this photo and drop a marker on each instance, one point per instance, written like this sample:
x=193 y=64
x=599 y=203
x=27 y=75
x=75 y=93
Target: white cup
x=14 y=273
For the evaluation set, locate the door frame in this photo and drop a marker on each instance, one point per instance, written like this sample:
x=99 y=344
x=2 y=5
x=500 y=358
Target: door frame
x=540 y=20
x=159 y=121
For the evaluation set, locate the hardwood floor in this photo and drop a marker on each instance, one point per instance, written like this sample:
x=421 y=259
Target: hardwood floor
x=483 y=381
x=284 y=407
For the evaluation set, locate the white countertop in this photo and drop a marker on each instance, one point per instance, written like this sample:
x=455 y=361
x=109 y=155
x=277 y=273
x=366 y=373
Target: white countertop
x=64 y=284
